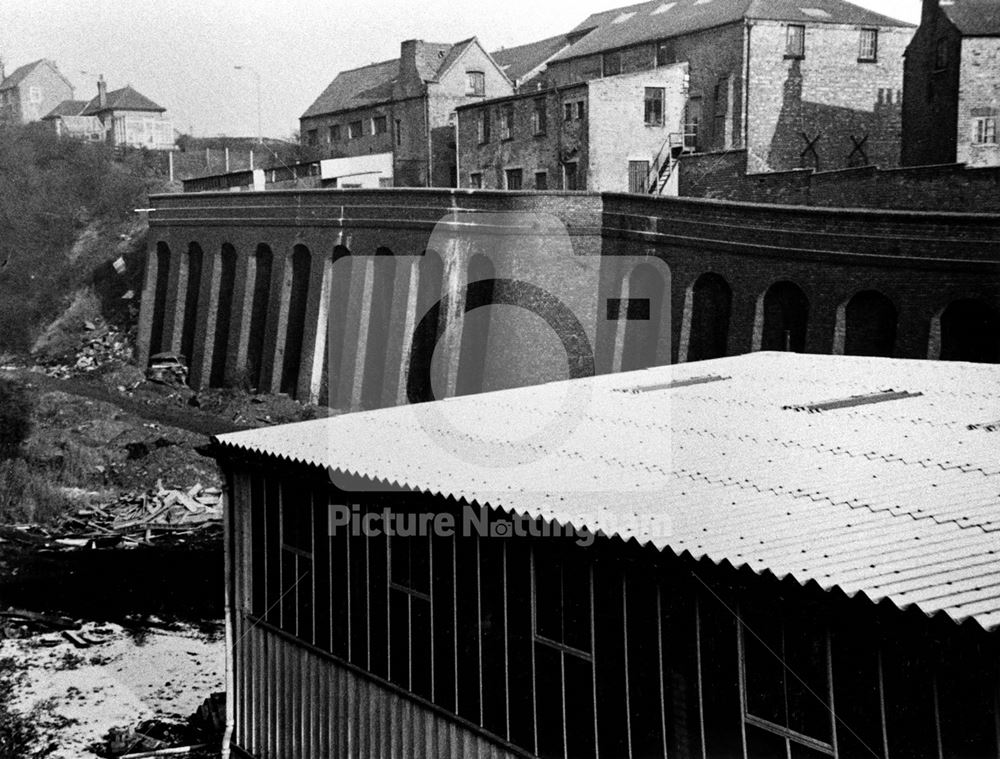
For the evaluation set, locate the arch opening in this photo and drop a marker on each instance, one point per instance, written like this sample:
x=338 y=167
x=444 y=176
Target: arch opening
x=340 y=292
x=295 y=326
x=425 y=339
x=224 y=316
x=156 y=340
x=786 y=318
x=194 y=260
x=475 y=326
x=377 y=345
x=644 y=309
x=263 y=263
x=711 y=307
x=970 y=331
x=870 y=325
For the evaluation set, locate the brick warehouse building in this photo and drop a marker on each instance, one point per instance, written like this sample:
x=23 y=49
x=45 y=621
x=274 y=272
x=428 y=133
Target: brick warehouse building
x=360 y=299
x=610 y=133
x=952 y=85
x=812 y=84
x=402 y=108
x=780 y=557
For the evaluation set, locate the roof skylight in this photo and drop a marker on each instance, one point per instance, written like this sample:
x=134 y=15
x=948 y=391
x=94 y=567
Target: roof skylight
x=623 y=17
x=816 y=12
x=854 y=400
x=663 y=8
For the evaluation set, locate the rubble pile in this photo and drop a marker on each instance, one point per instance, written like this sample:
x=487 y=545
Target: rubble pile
x=101 y=346
x=141 y=519
x=131 y=521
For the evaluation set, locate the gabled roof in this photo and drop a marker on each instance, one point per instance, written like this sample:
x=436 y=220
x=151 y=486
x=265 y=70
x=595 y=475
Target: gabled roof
x=66 y=108
x=518 y=62
x=974 y=18
x=19 y=74
x=802 y=466
x=125 y=99
x=658 y=19
x=367 y=85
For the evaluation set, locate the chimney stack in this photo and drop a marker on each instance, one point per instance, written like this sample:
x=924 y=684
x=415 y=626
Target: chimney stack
x=928 y=10
x=102 y=92
x=409 y=80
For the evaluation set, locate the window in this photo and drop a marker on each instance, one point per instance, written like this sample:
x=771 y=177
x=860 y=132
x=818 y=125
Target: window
x=514 y=178
x=795 y=41
x=638 y=173
x=354 y=130
x=868 y=46
x=477 y=83
x=579 y=110
x=410 y=613
x=539 y=120
x=666 y=53
x=541 y=180
x=296 y=560
x=380 y=125
x=941 y=55
x=785 y=666
x=476 y=180
x=398 y=131
x=335 y=133
x=985 y=131
x=573 y=111
x=571 y=177
x=612 y=64
x=35 y=94
x=563 y=660
x=654 y=106
x=567 y=111
x=507 y=122
x=483 y=126
x=312 y=137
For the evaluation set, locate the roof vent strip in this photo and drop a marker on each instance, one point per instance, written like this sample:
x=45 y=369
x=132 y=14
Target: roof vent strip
x=672 y=385
x=855 y=400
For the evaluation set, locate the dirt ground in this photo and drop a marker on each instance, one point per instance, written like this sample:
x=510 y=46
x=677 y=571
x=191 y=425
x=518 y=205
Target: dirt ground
x=154 y=672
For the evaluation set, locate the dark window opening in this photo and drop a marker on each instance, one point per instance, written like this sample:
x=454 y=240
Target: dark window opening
x=335 y=133
x=514 y=178
x=541 y=180
x=477 y=83
x=654 y=106
x=611 y=64
x=380 y=125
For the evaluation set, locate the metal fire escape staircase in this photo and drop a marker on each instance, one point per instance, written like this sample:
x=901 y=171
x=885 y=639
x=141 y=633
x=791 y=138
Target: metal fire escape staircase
x=665 y=163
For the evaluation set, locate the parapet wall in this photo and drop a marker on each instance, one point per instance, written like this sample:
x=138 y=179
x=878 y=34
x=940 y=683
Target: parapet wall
x=950 y=187
x=366 y=298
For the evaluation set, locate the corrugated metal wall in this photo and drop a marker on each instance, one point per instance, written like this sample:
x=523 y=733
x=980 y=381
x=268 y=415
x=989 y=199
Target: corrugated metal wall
x=292 y=703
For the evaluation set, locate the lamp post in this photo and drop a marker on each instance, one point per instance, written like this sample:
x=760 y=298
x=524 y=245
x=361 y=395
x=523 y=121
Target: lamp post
x=252 y=70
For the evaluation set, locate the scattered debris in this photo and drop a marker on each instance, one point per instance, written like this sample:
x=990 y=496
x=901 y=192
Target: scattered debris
x=102 y=345
x=168 y=369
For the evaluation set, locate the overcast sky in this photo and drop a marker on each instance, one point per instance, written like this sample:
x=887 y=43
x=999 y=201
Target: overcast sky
x=181 y=53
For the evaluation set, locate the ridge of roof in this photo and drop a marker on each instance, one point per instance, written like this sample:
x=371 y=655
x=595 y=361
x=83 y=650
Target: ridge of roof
x=66 y=108
x=126 y=98
x=662 y=19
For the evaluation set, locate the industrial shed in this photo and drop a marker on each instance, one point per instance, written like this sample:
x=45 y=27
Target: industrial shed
x=773 y=555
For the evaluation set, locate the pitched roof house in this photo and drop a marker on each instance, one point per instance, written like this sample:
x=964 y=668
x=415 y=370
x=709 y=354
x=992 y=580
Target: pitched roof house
x=31 y=91
x=122 y=118
x=403 y=106
x=952 y=85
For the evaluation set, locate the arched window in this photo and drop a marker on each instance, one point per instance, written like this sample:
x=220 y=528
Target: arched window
x=476 y=326
x=193 y=261
x=295 y=325
x=869 y=325
x=224 y=316
x=263 y=261
x=785 y=317
x=383 y=283
x=711 y=304
x=970 y=331
x=644 y=309
x=157 y=344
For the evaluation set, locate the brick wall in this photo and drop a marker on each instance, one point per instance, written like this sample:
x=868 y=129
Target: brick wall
x=930 y=105
x=530 y=152
x=951 y=187
x=979 y=97
x=825 y=98
x=51 y=88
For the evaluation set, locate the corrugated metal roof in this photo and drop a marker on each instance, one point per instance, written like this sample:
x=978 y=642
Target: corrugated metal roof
x=898 y=500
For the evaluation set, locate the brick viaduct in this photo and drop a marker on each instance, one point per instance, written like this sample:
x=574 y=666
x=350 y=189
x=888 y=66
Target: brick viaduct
x=364 y=298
